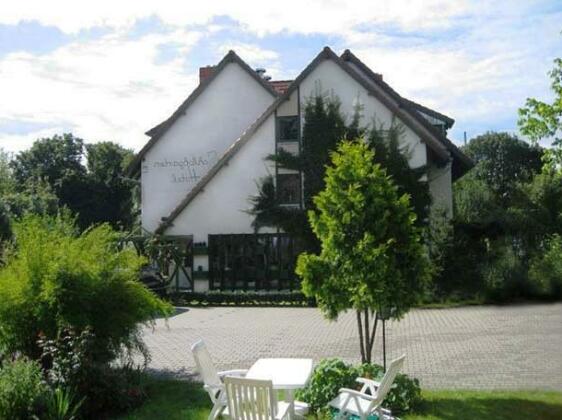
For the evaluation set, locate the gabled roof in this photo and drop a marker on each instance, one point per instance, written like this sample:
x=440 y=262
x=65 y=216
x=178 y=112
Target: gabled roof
x=439 y=144
x=158 y=131
x=461 y=163
x=449 y=122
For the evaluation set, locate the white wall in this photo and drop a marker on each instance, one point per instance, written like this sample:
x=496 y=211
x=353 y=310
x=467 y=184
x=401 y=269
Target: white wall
x=231 y=103
x=221 y=207
x=441 y=188
x=329 y=77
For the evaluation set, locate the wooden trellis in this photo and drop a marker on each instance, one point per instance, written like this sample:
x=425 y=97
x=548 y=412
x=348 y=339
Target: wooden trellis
x=170 y=256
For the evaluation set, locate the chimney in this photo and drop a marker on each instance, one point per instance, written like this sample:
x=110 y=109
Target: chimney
x=205 y=73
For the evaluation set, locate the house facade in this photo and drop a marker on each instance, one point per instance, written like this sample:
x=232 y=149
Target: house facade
x=202 y=164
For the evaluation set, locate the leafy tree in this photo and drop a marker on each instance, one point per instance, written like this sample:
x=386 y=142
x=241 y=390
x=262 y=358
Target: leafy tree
x=324 y=127
x=394 y=158
x=539 y=119
x=110 y=197
x=371 y=257
x=6 y=179
x=502 y=161
x=57 y=160
x=95 y=192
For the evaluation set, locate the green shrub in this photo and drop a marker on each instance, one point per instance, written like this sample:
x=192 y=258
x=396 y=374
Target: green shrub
x=62 y=404
x=55 y=277
x=328 y=377
x=332 y=374
x=22 y=389
x=545 y=272
x=505 y=273
x=103 y=388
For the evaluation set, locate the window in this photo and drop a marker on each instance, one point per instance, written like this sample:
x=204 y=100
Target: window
x=288 y=128
x=289 y=188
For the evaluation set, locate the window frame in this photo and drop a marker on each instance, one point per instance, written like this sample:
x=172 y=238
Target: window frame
x=298 y=192
x=280 y=121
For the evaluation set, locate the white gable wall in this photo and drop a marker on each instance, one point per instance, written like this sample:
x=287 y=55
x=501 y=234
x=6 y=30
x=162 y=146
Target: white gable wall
x=330 y=78
x=221 y=207
x=191 y=146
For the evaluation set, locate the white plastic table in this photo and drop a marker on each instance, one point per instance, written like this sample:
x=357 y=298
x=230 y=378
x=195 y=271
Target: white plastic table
x=285 y=374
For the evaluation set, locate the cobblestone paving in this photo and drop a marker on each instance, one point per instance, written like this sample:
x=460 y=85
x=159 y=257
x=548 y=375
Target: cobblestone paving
x=485 y=347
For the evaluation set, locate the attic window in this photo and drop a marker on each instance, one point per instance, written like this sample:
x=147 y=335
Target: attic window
x=288 y=128
x=289 y=188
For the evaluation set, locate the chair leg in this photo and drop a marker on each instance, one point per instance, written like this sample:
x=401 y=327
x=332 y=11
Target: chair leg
x=215 y=412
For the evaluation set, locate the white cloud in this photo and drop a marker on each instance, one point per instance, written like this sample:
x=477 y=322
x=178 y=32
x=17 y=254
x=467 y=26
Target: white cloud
x=482 y=73
x=107 y=89
x=313 y=16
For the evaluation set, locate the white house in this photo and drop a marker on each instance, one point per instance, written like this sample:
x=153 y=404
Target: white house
x=202 y=164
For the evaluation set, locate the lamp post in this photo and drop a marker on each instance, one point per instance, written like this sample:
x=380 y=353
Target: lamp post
x=383 y=314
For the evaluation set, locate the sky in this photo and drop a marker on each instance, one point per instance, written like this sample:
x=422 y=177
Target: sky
x=111 y=70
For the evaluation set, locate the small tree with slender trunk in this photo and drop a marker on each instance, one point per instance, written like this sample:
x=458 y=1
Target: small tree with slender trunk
x=372 y=257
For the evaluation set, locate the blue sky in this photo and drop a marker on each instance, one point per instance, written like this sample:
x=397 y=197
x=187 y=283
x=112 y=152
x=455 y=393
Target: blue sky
x=109 y=70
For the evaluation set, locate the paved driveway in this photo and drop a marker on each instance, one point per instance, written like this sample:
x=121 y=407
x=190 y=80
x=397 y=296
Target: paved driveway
x=485 y=347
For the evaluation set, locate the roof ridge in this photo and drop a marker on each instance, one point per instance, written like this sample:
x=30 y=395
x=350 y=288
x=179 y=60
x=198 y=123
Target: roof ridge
x=240 y=141
x=326 y=53
x=157 y=131
x=407 y=105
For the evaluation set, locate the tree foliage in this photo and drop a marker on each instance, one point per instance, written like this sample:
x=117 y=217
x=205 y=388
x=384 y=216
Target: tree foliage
x=87 y=179
x=394 y=157
x=505 y=209
x=55 y=277
x=324 y=127
x=503 y=161
x=538 y=119
x=371 y=257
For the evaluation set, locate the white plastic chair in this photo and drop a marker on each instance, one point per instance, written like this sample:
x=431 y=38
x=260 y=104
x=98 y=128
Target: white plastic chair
x=212 y=379
x=363 y=404
x=253 y=399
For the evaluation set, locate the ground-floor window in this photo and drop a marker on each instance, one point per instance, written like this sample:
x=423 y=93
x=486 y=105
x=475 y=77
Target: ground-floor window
x=253 y=262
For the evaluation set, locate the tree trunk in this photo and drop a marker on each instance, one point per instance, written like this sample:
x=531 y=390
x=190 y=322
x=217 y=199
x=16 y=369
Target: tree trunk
x=366 y=334
x=361 y=341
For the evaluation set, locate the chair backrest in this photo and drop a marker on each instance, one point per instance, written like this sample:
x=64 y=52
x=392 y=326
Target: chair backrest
x=205 y=364
x=250 y=399
x=389 y=376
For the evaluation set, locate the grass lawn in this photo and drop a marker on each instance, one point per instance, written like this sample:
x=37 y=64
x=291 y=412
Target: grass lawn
x=170 y=399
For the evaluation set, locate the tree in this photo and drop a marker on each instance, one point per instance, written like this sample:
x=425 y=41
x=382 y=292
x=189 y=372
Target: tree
x=324 y=127
x=395 y=159
x=372 y=258
x=540 y=120
x=110 y=198
x=503 y=160
x=95 y=192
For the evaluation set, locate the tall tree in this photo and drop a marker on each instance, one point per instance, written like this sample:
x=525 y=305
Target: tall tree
x=372 y=258
x=541 y=120
x=111 y=193
x=85 y=179
x=394 y=157
x=538 y=119
x=503 y=160
x=324 y=127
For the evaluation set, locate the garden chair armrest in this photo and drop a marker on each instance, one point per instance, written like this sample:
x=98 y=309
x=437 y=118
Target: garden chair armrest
x=366 y=381
x=357 y=394
x=233 y=372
